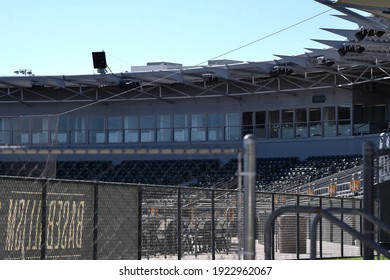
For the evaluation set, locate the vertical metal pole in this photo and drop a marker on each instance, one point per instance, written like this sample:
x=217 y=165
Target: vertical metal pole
x=239 y=206
x=272 y=246
x=140 y=223
x=43 y=219
x=179 y=223
x=249 y=196
x=95 y=220
x=320 y=230
x=342 y=231
x=297 y=242
x=212 y=225
x=368 y=195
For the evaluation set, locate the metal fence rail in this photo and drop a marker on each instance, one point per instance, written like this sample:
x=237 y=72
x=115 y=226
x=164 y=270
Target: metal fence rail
x=62 y=219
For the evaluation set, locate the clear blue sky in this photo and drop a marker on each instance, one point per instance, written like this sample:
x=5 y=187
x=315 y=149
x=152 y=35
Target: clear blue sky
x=58 y=37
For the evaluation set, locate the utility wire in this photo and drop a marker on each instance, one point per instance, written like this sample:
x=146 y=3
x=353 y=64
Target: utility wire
x=201 y=63
x=267 y=36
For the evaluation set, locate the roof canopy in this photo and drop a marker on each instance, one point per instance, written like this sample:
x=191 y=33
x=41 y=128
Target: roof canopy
x=363 y=56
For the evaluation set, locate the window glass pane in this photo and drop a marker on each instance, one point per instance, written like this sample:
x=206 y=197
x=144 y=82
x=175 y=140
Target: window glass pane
x=288 y=124
x=344 y=120
x=215 y=123
x=315 y=122
x=215 y=120
x=131 y=122
x=163 y=128
x=77 y=123
x=329 y=115
x=96 y=130
x=274 y=128
x=181 y=130
x=260 y=129
x=301 y=129
x=215 y=134
x=247 y=123
x=115 y=122
x=180 y=121
x=5 y=131
x=131 y=135
x=5 y=124
x=147 y=135
x=78 y=130
x=180 y=134
x=198 y=130
x=232 y=119
x=115 y=126
x=198 y=134
x=21 y=131
x=163 y=135
x=146 y=121
x=198 y=120
x=232 y=128
x=40 y=130
x=163 y=121
x=21 y=124
x=344 y=112
x=59 y=130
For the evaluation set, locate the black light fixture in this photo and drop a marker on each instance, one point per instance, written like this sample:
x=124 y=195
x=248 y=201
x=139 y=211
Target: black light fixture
x=342 y=51
x=279 y=70
x=209 y=77
x=380 y=33
x=129 y=84
x=354 y=49
x=359 y=49
x=322 y=60
x=99 y=61
x=361 y=34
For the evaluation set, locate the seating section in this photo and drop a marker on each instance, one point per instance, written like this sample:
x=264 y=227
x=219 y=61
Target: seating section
x=272 y=173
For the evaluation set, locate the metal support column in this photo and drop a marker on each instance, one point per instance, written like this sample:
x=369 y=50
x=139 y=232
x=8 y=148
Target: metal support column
x=368 y=196
x=249 y=196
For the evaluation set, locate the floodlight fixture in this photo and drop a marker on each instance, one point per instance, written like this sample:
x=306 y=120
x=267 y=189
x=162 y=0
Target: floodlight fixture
x=24 y=72
x=362 y=33
x=99 y=61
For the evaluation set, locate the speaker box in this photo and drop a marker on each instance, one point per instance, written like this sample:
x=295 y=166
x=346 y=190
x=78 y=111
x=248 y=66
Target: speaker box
x=99 y=60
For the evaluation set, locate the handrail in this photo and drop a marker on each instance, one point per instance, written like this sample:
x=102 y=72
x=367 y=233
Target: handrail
x=324 y=213
x=268 y=226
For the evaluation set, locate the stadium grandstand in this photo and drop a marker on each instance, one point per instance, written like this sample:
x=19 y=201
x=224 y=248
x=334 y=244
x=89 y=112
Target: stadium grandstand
x=168 y=124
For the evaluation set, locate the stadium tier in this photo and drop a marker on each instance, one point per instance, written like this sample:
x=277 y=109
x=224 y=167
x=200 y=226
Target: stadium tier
x=273 y=174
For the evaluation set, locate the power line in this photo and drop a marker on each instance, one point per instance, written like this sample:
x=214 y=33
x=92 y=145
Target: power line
x=223 y=54
x=267 y=36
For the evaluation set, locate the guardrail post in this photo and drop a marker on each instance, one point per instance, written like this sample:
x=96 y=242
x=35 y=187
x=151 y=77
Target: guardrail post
x=249 y=196
x=368 y=196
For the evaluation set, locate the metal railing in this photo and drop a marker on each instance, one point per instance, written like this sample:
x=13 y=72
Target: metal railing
x=325 y=213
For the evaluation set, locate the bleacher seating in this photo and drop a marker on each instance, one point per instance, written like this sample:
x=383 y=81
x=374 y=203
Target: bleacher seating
x=273 y=174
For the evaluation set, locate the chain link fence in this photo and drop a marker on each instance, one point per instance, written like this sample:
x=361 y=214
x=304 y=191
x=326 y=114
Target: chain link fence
x=88 y=204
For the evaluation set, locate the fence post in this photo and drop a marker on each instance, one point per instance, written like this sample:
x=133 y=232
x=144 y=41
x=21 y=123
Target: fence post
x=368 y=195
x=179 y=223
x=239 y=206
x=249 y=196
x=95 y=219
x=139 y=223
x=212 y=224
x=43 y=219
